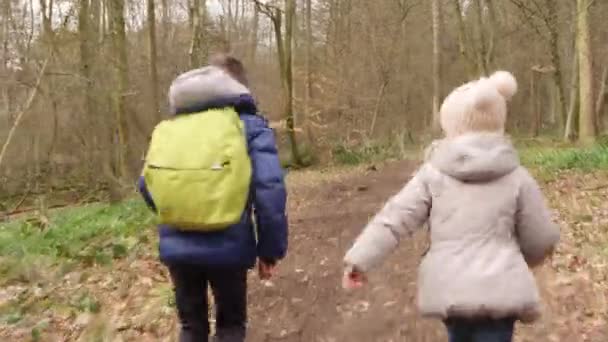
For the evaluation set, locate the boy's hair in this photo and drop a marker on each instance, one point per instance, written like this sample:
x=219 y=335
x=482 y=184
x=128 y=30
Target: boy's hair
x=232 y=66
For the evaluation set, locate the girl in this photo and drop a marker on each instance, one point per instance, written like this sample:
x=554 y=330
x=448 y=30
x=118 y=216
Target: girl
x=487 y=217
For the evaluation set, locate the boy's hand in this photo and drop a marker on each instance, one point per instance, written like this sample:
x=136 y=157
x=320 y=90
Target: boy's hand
x=266 y=269
x=353 y=278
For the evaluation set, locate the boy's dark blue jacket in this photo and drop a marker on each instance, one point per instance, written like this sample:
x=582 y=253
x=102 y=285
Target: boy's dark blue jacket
x=236 y=246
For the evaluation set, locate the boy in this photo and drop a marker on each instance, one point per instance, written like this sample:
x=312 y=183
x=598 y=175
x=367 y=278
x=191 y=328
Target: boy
x=487 y=217
x=196 y=254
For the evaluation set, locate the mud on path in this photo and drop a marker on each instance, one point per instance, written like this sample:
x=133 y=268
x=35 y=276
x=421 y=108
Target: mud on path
x=307 y=302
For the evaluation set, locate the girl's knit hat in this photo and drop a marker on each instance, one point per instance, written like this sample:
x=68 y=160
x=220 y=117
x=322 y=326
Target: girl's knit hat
x=478 y=106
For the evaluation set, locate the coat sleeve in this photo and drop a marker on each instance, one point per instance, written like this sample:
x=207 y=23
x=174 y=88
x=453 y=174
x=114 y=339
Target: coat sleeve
x=536 y=232
x=268 y=192
x=143 y=190
x=402 y=215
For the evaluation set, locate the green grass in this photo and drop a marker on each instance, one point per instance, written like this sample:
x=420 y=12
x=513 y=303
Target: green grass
x=567 y=158
x=372 y=151
x=355 y=155
x=94 y=234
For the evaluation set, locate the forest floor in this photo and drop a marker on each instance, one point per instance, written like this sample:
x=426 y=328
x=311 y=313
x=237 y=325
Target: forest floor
x=125 y=294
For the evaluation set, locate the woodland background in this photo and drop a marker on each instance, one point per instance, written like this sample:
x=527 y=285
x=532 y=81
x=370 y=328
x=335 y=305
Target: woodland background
x=82 y=83
x=353 y=89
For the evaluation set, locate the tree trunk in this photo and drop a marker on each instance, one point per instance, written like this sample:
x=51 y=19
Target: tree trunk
x=491 y=26
x=195 y=28
x=6 y=94
x=46 y=14
x=254 y=37
x=104 y=21
x=308 y=95
x=463 y=41
x=308 y=88
x=277 y=21
x=574 y=99
x=534 y=112
x=84 y=37
x=436 y=13
x=481 y=60
x=601 y=100
x=586 y=112
x=153 y=58
x=94 y=9
x=120 y=68
x=290 y=9
x=165 y=21
x=48 y=40
x=558 y=77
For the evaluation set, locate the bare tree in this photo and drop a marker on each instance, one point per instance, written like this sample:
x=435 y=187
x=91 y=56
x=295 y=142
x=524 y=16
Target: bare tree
x=436 y=13
x=153 y=58
x=253 y=44
x=84 y=36
x=119 y=47
x=464 y=40
x=196 y=25
x=6 y=96
x=569 y=129
x=602 y=94
x=587 y=111
x=548 y=13
x=558 y=78
x=284 y=52
x=308 y=95
x=290 y=11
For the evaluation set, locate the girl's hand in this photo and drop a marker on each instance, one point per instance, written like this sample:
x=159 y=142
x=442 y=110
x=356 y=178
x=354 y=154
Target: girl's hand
x=353 y=278
x=266 y=270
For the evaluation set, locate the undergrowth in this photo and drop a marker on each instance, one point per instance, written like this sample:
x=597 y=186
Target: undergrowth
x=369 y=151
x=570 y=158
x=94 y=234
x=355 y=155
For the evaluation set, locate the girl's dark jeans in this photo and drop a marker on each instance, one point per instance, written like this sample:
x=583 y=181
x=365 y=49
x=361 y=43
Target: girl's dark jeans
x=229 y=287
x=484 y=330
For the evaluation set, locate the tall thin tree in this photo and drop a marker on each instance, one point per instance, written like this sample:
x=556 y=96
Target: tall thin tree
x=290 y=12
x=153 y=58
x=586 y=131
x=436 y=13
x=84 y=36
x=119 y=49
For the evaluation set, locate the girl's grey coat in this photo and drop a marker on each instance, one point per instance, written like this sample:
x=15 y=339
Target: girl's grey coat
x=488 y=223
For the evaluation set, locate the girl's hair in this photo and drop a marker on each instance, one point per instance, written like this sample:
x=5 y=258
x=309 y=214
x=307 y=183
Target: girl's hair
x=232 y=66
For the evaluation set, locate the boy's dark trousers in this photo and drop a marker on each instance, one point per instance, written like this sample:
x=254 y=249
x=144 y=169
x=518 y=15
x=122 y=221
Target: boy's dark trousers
x=484 y=330
x=229 y=287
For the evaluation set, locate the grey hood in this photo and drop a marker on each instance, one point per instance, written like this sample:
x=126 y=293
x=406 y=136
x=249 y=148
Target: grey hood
x=201 y=88
x=474 y=157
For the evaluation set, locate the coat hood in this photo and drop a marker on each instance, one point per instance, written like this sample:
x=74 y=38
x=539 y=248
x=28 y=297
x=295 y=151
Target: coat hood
x=209 y=87
x=474 y=157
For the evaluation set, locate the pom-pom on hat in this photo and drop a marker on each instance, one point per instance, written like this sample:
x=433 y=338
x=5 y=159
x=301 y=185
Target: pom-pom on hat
x=478 y=106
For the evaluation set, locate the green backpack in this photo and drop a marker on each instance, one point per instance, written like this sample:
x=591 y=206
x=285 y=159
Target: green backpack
x=198 y=171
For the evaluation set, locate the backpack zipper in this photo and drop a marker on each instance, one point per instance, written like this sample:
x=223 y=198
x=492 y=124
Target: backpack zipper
x=214 y=167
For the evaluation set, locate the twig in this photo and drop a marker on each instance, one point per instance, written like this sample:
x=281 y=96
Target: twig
x=20 y=203
x=25 y=109
x=595 y=188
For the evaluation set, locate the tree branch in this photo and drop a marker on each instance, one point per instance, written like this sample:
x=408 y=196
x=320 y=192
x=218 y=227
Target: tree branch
x=267 y=9
x=20 y=115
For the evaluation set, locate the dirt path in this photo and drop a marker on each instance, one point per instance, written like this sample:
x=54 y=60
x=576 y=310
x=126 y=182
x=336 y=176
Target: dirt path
x=307 y=303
